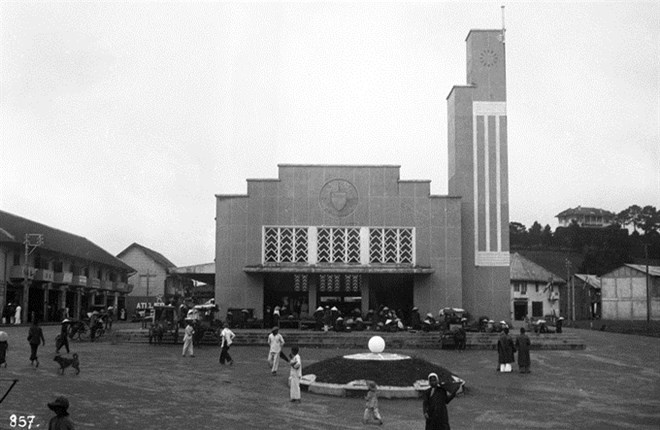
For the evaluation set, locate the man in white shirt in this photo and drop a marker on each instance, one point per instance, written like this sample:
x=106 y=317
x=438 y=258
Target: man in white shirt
x=226 y=339
x=276 y=342
x=188 y=339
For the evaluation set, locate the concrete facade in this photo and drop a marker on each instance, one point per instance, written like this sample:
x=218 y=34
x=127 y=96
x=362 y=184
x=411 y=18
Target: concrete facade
x=623 y=293
x=460 y=243
x=478 y=172
x=381 y=199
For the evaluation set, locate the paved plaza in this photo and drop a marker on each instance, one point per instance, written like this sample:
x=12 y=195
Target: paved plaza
x=613 y=384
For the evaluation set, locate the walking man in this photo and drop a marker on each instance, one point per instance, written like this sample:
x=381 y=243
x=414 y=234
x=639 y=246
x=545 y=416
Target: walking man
x=226 y=339
x=505 y=351
x=188 y=339
x=276 y=342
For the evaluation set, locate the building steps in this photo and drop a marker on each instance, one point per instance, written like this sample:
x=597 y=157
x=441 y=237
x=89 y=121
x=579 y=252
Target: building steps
x=399 y=340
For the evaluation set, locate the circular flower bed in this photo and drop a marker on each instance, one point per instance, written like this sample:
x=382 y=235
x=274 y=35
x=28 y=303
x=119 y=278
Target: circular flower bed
x=398 y=373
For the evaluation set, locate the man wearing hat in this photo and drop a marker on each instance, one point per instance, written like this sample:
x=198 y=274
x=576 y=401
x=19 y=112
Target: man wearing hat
x=63 y=338
x=276 y=342
x=435 y=401
x=61 y=419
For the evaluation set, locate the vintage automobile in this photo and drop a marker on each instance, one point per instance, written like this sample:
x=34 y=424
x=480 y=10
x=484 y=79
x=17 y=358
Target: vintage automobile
x=165 y=324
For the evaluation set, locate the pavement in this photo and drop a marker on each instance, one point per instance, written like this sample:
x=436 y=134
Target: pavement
x=612 y=384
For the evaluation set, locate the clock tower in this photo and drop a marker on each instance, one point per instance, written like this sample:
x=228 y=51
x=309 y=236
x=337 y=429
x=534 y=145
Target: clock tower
x=478 y=173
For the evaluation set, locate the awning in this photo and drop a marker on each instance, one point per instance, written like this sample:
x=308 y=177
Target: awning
x=341 y=268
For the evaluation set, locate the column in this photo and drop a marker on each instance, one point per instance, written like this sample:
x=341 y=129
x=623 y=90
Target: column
x=77 y=311
x=364 y=292
x=312 y=285
x=46 y=288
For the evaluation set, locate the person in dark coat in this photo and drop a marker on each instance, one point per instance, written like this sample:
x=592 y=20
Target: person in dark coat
x=35 y=336
x=415 y=319
x=434 y=405
x=505 y=349
x=522 y=345
x=559 y=323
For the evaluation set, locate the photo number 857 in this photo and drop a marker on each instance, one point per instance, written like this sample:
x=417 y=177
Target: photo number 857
x=21 y=421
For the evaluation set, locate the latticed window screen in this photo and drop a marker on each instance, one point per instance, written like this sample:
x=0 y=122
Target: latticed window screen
x=300 y=282
x=285 y=244
x=391 y=245
x=338 y=245
x=336 y=283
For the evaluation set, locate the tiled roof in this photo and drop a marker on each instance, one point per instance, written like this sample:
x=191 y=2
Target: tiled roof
x=523 y=269
x=156 y=256
x=585 y=211
x=13 y=229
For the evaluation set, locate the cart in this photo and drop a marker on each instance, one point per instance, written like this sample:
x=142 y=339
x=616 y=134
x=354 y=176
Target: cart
x=165 y=324
x=207 y=327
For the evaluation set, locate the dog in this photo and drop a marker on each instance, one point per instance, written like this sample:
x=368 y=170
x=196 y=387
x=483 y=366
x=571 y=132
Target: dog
x=65 y=362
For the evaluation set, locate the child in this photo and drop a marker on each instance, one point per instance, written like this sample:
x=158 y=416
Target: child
x=371 y=413
x=61 y=419
x=3 y=348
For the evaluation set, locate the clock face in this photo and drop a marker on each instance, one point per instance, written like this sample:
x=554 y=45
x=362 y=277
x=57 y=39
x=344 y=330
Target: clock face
x=488 y=58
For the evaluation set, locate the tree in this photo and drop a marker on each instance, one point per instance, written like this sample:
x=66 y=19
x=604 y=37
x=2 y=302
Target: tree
x=534 y=234
x=630 y=216
x=546 y=236
x=517 y=234
x=649 y=219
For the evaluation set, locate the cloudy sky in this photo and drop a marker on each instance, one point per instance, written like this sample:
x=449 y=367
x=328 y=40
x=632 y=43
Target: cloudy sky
x=120 y=121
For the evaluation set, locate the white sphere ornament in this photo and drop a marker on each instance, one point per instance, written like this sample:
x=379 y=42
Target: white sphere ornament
x=376 y=344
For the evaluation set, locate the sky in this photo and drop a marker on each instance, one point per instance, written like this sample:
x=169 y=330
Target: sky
x=121 y=121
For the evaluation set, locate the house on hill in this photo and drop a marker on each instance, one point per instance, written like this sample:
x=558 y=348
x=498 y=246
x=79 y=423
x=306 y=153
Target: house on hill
x=60 y=274
x=534 y=289
x=624 y=295
x=154 y=280
x=585 y=217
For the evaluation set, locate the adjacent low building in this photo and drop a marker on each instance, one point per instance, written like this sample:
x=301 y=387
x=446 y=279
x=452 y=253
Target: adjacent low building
x=49 y=271
x=155 y=278
x=535 y=291
x=624 y=292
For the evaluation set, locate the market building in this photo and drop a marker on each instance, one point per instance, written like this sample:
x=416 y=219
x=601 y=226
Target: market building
x=358 y=236
x=50 y=272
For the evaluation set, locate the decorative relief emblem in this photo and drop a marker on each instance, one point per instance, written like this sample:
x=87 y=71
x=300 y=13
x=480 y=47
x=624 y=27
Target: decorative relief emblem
x=338 y=197
x=488 y=58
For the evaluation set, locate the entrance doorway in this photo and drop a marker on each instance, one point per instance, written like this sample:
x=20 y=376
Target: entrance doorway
x=287 y=292
x=393 y=291
x=519 y=310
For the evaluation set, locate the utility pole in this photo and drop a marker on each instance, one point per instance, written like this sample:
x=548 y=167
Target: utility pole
x=569 y=296
x=148 y=275
x=648 y=291
x=32 y=241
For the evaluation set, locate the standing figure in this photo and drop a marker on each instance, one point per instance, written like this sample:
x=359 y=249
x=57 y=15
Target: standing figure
x=505 y=351
x=522 y=345
x=276 y=316
x=35 y=336
x=226 y=339
x=63 y=338
x=4 y=345
x=109 y=318
x=434 y=405
x=276 y=342
x=559 y=323
x=188 y=339
x=460 y=339
x=61 y=419
x=17 y=314
x=371 y=412
x=295 y=375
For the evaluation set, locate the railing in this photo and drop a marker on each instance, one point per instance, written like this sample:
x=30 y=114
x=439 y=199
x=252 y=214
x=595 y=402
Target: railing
x=16 y=272
x=44 y=275
x=79 y=281
x=63 y=277
x=93 y=283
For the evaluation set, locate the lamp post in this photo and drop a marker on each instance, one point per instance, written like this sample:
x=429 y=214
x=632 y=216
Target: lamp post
x=570 y=294
x=648 y=291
